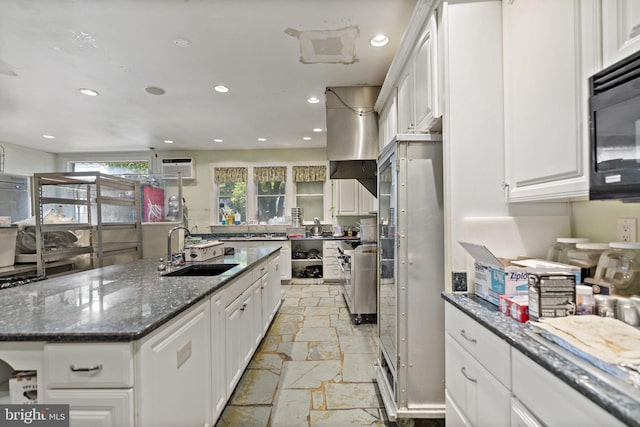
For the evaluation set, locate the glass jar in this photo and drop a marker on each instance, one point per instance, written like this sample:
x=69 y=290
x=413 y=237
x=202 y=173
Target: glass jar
x=585 y=302
x=586 y=256
x=559 y=251
x=619 y=268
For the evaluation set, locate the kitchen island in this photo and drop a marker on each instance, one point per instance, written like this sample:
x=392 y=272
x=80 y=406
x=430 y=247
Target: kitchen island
x=497 y=364
x=125 y=345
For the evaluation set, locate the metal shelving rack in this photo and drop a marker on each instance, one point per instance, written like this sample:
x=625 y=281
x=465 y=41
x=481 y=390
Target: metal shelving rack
x=93 y=207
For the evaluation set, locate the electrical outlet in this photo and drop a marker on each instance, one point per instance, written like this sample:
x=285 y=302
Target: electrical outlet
x=626 y=228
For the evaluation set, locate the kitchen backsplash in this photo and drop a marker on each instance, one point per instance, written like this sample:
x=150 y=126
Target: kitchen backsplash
x=597 y=219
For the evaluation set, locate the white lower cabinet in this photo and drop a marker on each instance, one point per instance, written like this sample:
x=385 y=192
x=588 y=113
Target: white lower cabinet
x=521 y=417
x=239 y=337
x=550 y=400
x=218 y=357
x=482 y=399
x=173 y=372
x=454 y=414
x=330 y=266
x=95 y=380
x=95 y=408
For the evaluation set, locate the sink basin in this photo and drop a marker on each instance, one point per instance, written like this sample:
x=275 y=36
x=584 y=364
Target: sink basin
x=201 y=270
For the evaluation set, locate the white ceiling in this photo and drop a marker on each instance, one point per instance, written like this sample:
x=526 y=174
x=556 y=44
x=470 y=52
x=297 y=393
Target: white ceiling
x=49 y=49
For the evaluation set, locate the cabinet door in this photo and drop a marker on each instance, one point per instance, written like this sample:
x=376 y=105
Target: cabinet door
x=346 y=191
x=620 y=29
x=482 y=399
x=426 y=78
x=239 y=338
x=550 y=49
x=285 y=261
x=181 y=352
x=96 y=408
x=405 y=102
x=366 y=201
x=521 y=417
x=274 y=287
x=454 y=415
x=218 y=372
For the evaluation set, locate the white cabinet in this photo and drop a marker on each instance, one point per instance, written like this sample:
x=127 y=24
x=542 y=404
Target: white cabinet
x=96 y=408
x=521 y=417
x=239 y=339
x=330 y=267
x=426 y=104
x=218 y=346
x=388 y=122
x=173 y=370
x=272 y=293
x=351 y=198
x=95 y=380
x=477 y=380
x=550 y=400
x=550 y=50
x=620 y=29
x=406 y=111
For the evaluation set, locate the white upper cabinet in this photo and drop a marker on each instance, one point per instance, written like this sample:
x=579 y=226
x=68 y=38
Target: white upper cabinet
x=388 y=119
x=406 y=116
x=620 y=29
x=550 y=50
x=351 y=198
x=427 y=111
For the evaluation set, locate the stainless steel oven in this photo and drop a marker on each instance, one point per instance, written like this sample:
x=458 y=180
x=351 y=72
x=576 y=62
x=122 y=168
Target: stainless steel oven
x=614 y=121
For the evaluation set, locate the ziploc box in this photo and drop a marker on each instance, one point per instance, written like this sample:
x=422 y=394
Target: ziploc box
x=507 y=276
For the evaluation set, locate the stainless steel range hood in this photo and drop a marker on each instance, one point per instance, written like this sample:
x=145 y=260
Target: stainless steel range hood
x=352 y=134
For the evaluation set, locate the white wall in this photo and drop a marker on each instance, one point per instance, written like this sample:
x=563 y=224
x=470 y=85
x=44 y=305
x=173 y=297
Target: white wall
x=26 y=161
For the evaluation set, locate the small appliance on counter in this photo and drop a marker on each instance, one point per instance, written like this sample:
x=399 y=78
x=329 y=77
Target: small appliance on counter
x=204 y=251
x=618 y=270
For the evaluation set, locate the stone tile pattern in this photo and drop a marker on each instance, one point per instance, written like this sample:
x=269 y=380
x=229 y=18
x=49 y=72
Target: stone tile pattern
x=314 y=368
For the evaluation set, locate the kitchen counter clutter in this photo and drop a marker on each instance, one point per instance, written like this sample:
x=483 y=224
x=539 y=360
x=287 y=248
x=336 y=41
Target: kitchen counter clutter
x=529 y=378
x=128 y=345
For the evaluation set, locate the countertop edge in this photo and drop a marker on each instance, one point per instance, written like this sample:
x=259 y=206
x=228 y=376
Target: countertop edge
x=618 y=404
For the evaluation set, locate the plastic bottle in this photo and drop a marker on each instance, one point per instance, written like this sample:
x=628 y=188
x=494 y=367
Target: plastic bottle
x=237 y=218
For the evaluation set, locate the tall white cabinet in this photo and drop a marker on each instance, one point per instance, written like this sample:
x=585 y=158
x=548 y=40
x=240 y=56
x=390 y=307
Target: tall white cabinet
x=550 y=49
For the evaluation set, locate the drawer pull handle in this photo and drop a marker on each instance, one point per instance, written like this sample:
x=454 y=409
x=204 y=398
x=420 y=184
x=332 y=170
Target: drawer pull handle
x=243 y=306
x=464 y=372
x=89 y=369
x=466 y=337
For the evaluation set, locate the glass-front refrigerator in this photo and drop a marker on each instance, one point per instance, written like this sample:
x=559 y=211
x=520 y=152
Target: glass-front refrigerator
x=410 y=369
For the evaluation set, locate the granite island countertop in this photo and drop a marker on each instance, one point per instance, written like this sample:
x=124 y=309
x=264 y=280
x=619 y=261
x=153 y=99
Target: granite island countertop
x=623 y=406
x=117 y=303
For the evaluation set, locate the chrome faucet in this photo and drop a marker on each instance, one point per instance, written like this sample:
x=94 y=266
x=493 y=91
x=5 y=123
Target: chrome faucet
x=187 y=233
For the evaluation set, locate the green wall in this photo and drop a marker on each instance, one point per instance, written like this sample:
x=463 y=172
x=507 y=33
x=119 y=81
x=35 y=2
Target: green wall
x=597 y=219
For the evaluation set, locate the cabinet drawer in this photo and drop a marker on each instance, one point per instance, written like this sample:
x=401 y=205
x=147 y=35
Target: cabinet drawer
x=88 y=365
x=481 y=399
x=260 y=270
x=552 y=401
x=492 y=352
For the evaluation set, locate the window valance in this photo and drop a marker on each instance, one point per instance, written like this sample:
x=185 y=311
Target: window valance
x=269 y=173
x=237 y=174
x=309 y=173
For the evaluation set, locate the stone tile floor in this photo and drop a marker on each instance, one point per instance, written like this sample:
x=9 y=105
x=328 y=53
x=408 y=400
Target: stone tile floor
x=314 y=368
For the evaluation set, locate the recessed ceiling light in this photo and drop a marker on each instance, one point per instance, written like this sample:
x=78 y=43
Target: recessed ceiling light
x=313 y=100
x=182 y=42
x=379 y=40
x=306 y=138
x=317 y=130
x=49 y=136
x=153 y=90
x=221 y=89
x=168 y=141
x=88 y=92
x=217 y=140
x=262 y=139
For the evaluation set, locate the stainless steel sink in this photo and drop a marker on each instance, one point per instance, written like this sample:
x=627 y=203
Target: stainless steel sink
x=201 y=270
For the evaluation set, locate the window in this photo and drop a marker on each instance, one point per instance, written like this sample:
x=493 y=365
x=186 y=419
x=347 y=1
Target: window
x=270 y=193
x=232 y=191
x=113 y=168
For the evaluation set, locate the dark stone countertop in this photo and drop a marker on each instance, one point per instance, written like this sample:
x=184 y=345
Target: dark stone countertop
x=623 y=406
x=121 y=302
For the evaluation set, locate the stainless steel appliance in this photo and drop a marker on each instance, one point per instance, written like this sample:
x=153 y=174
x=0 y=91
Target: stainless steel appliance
x=410 y=370
x=614 y=121
x=358 y=269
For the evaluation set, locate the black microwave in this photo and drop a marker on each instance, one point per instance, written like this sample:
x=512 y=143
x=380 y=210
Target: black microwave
x=614 y=123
